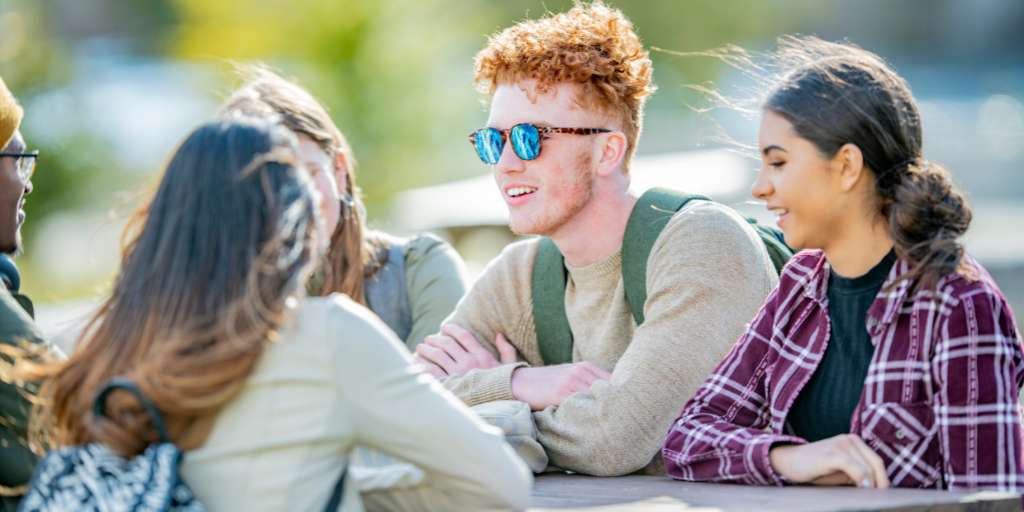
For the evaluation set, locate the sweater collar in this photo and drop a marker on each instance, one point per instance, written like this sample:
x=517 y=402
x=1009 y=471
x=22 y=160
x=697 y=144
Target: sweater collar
x=612 y=265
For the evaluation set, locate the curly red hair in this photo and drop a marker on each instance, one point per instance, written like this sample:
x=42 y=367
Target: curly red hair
x=592 y=45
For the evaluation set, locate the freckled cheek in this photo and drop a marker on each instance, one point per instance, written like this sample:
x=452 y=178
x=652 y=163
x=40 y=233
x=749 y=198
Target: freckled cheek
x=558 y=190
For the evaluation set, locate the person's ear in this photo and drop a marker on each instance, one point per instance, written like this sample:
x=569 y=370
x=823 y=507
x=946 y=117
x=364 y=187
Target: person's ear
x=612 y=150
x=848 y=163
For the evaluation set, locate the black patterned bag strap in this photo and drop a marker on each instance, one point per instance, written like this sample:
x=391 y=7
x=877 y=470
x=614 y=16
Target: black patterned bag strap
x=99 y=406
x=338 y=493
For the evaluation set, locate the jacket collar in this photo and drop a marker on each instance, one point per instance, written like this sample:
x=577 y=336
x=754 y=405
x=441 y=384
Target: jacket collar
x=886 y=304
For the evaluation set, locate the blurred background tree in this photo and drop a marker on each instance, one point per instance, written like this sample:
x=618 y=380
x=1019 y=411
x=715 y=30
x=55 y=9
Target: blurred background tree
x=111 y=86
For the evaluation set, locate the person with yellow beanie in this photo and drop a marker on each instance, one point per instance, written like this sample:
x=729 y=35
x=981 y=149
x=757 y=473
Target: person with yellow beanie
x=16 y=312
x=10 y=114
x=16 y=168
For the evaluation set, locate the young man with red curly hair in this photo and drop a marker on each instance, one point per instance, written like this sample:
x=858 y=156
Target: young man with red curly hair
x=567 y=95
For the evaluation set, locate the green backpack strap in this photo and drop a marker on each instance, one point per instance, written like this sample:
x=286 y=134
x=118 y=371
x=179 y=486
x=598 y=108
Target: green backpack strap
x=554 y=336
x=778 y=250
x=650 y=215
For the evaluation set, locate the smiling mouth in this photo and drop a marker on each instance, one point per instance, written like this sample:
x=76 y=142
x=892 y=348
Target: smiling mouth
x=516 y=192
x=781 y=214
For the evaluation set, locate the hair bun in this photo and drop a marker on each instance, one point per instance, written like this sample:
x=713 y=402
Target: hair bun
x=927 y=216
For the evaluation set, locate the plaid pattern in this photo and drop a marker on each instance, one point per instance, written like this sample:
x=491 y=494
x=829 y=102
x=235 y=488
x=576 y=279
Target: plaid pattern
x=939 y=403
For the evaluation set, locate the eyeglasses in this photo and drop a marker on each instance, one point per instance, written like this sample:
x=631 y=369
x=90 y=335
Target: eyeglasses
x=25 y=163
x=526 y=138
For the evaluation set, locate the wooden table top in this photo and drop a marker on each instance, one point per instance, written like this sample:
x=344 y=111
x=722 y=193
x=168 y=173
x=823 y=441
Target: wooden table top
x=661 y=494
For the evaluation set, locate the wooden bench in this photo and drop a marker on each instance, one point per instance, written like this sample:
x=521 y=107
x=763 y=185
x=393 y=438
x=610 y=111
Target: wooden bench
x=660 y=494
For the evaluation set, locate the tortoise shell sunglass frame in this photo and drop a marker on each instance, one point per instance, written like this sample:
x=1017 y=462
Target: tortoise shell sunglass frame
x=526 y=140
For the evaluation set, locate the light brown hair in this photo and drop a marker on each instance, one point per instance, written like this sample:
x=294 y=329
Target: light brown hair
x=354 y=253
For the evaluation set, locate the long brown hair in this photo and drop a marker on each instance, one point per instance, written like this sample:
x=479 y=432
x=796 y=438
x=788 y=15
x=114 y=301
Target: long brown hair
x=354 y=254
x=835 y=94
x=225 y=243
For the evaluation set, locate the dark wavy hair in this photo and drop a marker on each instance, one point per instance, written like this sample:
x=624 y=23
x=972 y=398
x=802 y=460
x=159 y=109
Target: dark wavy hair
x=208 y=269
x=836 y=94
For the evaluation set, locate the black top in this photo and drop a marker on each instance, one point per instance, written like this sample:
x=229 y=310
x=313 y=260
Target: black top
x=825 y=405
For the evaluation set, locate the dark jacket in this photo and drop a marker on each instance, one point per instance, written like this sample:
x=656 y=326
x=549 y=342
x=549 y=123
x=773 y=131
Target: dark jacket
x=16 y=460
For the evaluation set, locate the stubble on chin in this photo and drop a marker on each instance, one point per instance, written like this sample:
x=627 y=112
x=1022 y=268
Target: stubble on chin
x=555 y=216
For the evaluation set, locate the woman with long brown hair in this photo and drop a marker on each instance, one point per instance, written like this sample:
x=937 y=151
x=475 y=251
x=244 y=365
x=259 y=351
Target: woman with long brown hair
x=266 y=390
x=887 y=355
x=411 y=284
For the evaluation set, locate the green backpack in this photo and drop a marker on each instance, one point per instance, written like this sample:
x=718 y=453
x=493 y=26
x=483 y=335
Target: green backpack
x=650 y=215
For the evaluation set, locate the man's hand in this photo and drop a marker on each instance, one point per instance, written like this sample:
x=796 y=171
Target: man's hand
x=456 y=351
x=550 y=385
x=840 y=460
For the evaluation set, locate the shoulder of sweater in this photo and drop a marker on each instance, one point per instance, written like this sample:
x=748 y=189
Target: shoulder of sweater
x=706 y=224
x=515 y=261
x=702 y=211
x=502 y=291
x=712 y=243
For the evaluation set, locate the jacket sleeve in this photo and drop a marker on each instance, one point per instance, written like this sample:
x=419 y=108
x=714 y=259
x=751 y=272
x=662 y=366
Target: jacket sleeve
x=16 y=460
x=977 y=369
x=721 y=434
x=498 y=302
x=436 y=280
x=406 y=413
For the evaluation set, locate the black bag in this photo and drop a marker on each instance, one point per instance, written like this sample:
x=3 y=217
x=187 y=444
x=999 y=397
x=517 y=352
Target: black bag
x=91 y=477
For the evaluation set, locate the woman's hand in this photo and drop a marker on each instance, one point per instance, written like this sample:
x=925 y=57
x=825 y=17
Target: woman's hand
x=840 y=460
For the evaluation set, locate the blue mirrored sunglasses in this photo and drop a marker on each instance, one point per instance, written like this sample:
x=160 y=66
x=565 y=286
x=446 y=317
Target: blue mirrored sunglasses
x=525 y=137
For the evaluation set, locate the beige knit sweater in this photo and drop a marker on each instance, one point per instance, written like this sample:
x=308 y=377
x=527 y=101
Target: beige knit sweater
x=707 y=275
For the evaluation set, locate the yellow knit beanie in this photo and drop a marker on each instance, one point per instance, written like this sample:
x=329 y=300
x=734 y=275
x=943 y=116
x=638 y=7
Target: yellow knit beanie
x=10 y=115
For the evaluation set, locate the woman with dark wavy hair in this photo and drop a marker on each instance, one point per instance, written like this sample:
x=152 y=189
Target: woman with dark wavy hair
x=886 y=356
x=266 y=390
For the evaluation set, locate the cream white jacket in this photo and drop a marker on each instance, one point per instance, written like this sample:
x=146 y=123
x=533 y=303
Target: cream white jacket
x=336 y=377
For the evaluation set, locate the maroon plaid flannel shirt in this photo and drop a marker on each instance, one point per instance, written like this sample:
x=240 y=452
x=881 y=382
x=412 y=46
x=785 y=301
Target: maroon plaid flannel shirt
x=939 y=403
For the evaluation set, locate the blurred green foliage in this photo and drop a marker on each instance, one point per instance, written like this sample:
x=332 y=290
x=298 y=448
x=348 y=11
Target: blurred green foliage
x=396 y=75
